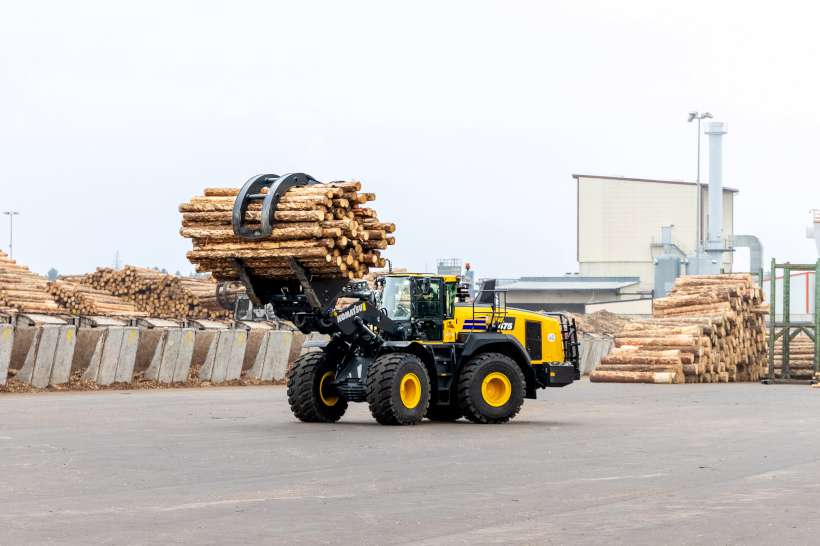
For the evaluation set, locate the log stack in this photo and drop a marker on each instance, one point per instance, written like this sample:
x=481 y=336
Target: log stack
x=710 y=328
x=80 y=299
x=801 y=357
x=159 y=294
x=326 y=227
x=21 y=290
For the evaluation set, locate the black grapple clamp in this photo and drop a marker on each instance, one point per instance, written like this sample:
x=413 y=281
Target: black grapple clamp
x=251 y=192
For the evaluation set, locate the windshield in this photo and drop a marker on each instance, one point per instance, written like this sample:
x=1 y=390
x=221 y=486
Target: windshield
x=396 y=298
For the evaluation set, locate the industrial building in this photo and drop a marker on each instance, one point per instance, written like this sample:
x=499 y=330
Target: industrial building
x=574 y=293
x=620 y=223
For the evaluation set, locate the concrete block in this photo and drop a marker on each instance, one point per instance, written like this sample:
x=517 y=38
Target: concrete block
x=257 y=337
x=593 y=349
x=172 y=357
x=44 y=360
x=279 y=350
x=6 y=344
x=237 y=356
x=25 y=337
x=149 y=338
x=258 y=368
x=85 y=346
x=202 y=345
x=128 y=355
x=93 y=368
x=271 y=361
x=170 y=354
x=207 y=369
x=107 y=371
x=26 y=371
x=64 y=355
x=314 y=341
x=273 y=356
x=184 y=356
x=224 y=345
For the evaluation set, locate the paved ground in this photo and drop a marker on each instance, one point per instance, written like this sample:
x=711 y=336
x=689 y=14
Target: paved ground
x=591 y=463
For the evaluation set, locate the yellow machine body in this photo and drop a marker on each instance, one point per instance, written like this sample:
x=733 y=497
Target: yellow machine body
x=539 y=334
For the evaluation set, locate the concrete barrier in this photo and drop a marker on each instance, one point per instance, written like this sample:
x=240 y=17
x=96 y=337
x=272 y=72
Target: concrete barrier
x=51 y=350
x=50 y=353
x=172 y=357
x=314 y=342
x=114 y=355
x=225 y=356
x=6 y=345
x=272 y=355
x=593 y=349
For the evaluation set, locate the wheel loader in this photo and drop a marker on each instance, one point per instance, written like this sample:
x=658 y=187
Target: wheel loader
x=409 y=345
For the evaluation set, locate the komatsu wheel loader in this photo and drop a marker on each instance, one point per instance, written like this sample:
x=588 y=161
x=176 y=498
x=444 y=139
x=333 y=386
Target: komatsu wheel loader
x=410 y=346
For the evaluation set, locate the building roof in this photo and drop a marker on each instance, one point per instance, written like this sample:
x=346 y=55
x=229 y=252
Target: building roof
x=571 y=283
x=626 y=178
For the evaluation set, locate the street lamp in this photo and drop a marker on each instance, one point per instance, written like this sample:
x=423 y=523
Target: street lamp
x=692 y=117
x=11 y=214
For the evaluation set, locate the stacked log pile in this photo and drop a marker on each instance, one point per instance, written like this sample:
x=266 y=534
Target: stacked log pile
x=80 y=299
x=710 y=328
x=801 y=357
x=326 y=228
x=159 y=294
x=21 y=290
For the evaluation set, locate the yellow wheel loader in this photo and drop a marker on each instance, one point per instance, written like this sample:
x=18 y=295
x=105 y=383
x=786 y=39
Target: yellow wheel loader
x=411 y=347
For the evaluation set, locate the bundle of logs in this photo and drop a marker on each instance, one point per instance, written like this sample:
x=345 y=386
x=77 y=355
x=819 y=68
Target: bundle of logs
x=159 y=294
x=325 y=227
x=801 y=357
x=80 y=299
x=22 y=290
x=710 y=328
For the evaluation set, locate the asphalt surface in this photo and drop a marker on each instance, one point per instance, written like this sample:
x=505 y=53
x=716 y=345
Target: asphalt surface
x=591 y=463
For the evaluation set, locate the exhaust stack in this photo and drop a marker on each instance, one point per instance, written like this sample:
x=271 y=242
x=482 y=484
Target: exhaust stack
x=715 y=242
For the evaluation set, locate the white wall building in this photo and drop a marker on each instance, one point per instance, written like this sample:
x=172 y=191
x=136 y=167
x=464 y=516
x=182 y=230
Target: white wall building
x=620 y=219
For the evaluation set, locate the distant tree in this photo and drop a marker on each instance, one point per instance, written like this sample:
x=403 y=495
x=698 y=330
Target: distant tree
x=53 y=274
x=164 y=271
x=178 y=273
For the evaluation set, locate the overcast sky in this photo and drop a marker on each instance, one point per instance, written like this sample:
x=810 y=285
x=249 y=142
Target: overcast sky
x=466 y=118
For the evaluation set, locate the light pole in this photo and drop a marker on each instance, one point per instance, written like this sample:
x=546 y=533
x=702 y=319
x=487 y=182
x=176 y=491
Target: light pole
x=698 y=236
x=11 y=214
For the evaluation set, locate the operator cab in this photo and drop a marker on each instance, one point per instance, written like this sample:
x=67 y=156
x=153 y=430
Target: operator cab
x=425 y=302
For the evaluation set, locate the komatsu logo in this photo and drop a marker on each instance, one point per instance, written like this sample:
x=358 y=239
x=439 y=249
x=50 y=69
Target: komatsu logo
x=355 y=310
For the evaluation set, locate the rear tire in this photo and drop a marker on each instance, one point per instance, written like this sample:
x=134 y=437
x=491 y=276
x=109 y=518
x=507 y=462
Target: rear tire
x=311 y=397
x=491 y=389
x=398 y=389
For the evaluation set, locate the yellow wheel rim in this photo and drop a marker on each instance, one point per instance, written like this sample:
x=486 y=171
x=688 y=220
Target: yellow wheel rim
x=410 y=390
x=496 y=389
x=326 y=393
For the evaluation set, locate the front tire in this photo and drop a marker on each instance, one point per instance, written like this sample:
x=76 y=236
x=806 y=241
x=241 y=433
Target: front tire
x=398 y=389
x=491 y=389
x=311 y=395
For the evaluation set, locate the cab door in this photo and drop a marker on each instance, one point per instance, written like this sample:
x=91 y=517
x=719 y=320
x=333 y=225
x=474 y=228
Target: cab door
x=449 y=325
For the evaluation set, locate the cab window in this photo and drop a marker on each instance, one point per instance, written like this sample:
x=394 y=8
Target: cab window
x=396 y=298
x=428 y=298
x=451 y=291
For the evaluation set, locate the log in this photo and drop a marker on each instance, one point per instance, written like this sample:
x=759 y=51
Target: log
x=632 y=377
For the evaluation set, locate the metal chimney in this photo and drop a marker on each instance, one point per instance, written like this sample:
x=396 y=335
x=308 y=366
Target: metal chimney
x=714 y=242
